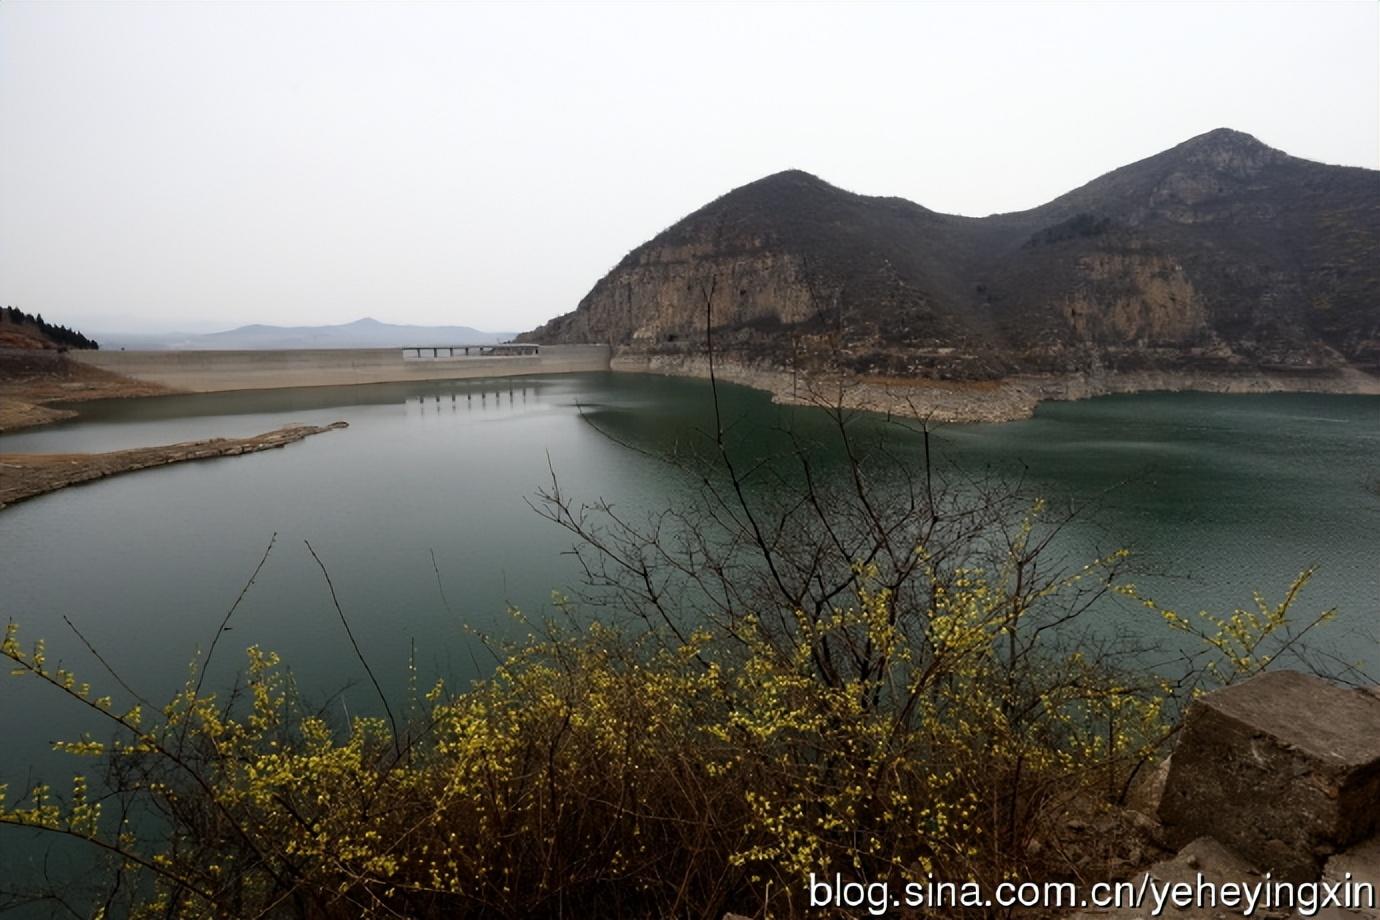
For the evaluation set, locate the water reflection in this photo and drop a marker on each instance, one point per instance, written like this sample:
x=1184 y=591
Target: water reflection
x=506 y=400
x=117 y=424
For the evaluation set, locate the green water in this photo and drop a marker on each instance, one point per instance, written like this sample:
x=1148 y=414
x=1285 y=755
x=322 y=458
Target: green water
x=1218 y=495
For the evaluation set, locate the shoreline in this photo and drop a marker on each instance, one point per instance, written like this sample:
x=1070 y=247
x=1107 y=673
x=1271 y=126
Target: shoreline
x=28 y=401
x=28 y=476
x=31 y=380
x=1006 y=399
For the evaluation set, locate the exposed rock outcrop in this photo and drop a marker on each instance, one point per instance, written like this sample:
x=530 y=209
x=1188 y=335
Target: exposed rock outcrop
x=1219 y=256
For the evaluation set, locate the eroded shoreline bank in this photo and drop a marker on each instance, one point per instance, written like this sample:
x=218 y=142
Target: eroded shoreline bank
x=31 y=380
x=1005 y=400
x=25 y=399
x=27 y=476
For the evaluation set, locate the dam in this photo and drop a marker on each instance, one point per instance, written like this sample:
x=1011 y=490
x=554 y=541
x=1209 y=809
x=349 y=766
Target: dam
x=206 y=371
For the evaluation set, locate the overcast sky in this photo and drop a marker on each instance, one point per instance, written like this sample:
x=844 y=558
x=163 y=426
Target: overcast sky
x=196 y=166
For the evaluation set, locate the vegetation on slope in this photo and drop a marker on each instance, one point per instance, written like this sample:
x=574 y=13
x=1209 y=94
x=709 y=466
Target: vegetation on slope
x=27 y=331
x=610 y=774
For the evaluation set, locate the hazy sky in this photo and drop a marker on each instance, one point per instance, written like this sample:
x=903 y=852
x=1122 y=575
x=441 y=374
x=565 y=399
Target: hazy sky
x=187 y=166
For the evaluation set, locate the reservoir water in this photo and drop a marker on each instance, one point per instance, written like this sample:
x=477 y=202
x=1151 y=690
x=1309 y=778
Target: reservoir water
x=420 y=512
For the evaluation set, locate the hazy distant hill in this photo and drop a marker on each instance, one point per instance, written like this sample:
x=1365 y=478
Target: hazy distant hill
x=1218 y=254
x=362 y=333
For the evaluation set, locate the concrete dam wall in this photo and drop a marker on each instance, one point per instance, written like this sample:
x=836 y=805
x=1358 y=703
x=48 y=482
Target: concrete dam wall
x=214 y=371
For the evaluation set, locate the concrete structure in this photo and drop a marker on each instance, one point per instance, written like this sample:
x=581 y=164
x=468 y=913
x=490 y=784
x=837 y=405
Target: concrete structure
x=214 y=371
x=1284 y=769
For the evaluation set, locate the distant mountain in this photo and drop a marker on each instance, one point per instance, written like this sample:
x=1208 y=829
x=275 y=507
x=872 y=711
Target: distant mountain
x=362 y=333
x=1219 y=254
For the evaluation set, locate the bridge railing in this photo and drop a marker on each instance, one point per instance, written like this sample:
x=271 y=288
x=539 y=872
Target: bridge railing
x=435 y=352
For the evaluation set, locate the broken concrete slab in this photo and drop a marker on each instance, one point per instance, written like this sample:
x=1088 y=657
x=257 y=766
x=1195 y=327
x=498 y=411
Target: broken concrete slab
x=1359 y=865
x=1217 y=864
x=1283 y=768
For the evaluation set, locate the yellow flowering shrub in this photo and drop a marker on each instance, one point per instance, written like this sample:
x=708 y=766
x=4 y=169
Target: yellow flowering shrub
x=605 y=771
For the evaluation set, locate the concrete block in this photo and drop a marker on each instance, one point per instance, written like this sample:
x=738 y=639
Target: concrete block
x=1283 y=768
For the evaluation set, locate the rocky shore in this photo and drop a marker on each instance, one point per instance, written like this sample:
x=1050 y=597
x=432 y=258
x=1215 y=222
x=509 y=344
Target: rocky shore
x=1003 y=400
x=28 y=475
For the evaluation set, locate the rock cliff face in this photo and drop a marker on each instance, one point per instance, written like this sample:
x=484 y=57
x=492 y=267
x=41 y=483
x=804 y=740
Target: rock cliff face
x=1220 y=255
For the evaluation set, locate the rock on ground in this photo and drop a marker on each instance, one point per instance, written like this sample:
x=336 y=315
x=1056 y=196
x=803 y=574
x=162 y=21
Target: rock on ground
x=1283 y=769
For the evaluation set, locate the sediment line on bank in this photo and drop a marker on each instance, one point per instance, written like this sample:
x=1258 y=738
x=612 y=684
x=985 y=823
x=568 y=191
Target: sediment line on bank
x=1001 y=400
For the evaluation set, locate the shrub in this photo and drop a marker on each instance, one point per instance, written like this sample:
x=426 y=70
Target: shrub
x=606 y=772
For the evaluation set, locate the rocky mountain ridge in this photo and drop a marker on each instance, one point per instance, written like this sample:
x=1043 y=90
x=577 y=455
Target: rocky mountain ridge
x=1220 y=255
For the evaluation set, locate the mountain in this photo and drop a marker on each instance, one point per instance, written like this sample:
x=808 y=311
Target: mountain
x=1220 y=254
x=362 y=333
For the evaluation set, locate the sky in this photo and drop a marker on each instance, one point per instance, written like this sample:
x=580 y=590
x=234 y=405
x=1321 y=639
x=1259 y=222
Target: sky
x=197 y=166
